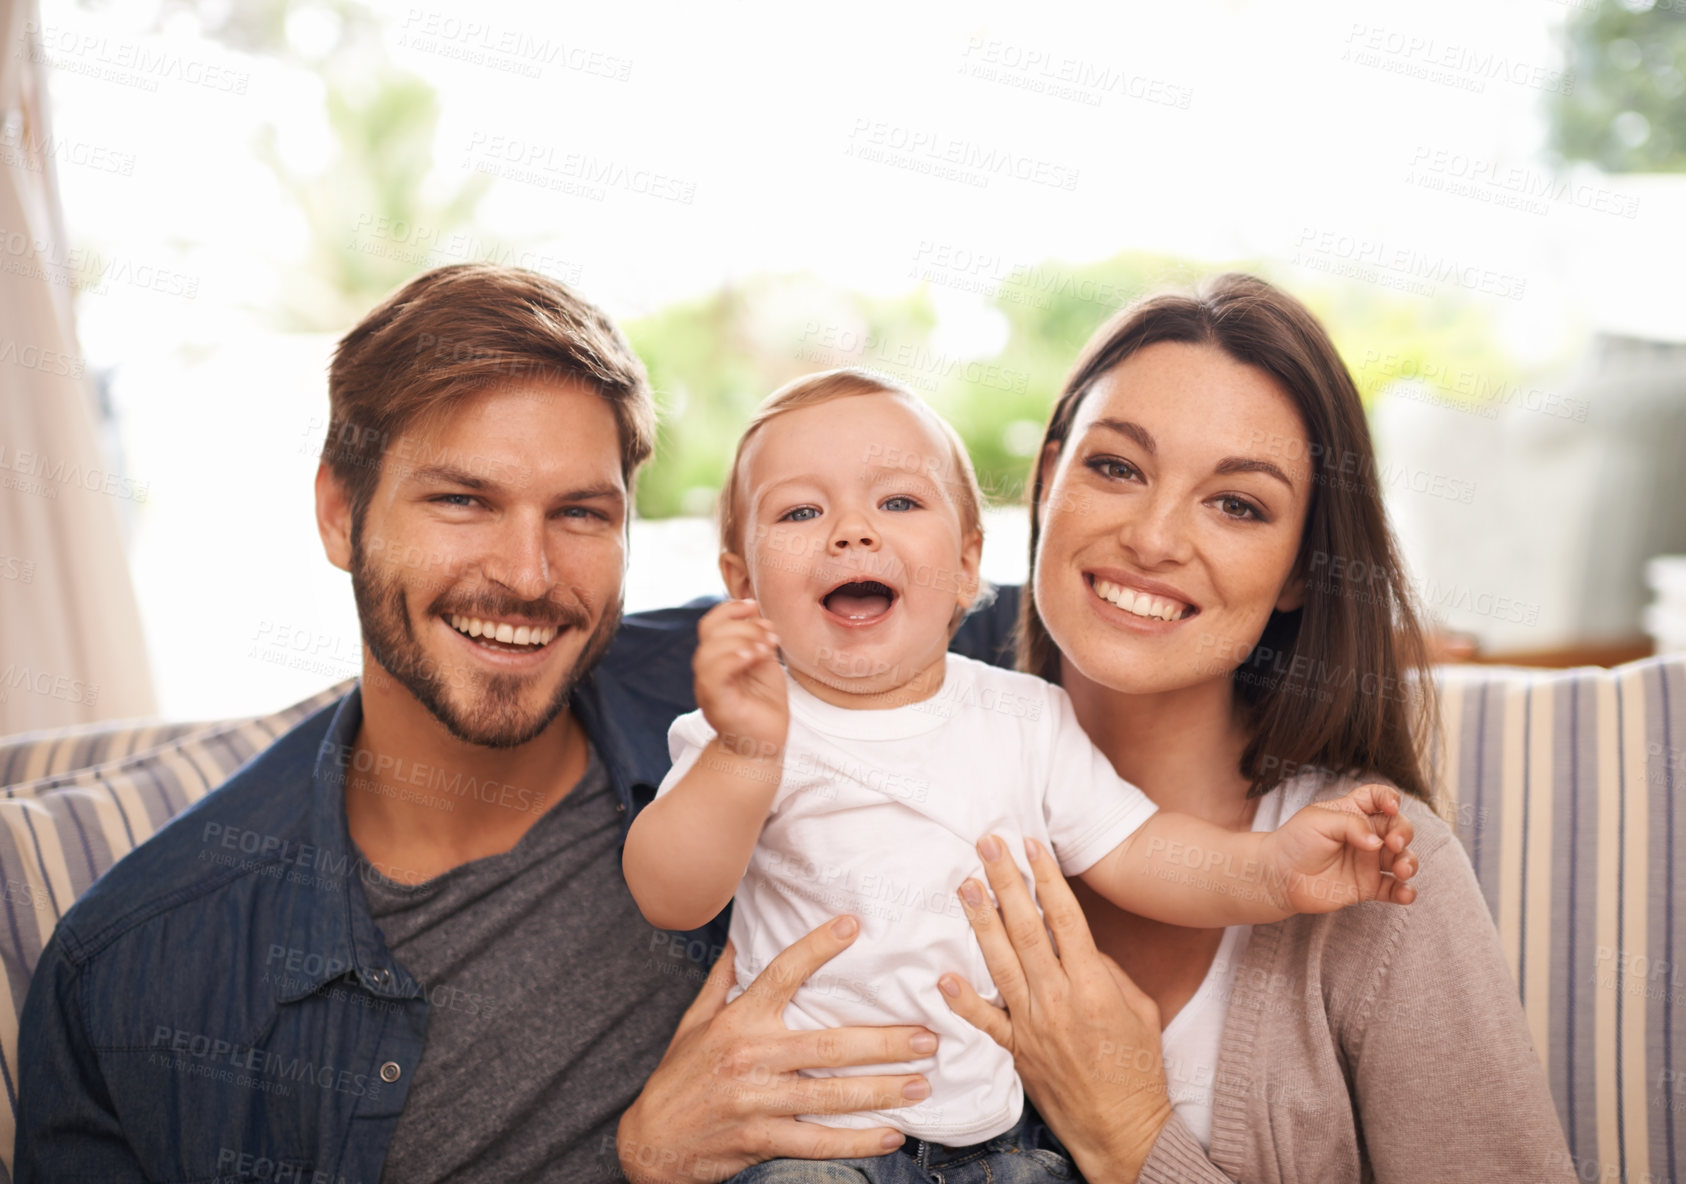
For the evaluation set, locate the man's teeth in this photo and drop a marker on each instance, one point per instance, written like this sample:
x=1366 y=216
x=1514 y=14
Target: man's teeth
x=1139 y=603
x=503 y=631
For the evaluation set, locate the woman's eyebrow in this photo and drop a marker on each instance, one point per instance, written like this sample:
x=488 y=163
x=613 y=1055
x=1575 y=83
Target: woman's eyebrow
x=1250 y=464
x=1134 y=431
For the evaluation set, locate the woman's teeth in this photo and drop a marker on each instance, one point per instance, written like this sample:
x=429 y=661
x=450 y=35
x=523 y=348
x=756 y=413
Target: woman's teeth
x=1139 y=603
x=504 y=632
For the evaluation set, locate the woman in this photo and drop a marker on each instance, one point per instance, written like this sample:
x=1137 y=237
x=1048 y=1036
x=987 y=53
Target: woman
x=1214 y=451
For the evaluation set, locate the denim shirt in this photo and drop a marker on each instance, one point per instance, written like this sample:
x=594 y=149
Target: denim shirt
x=220 y=1006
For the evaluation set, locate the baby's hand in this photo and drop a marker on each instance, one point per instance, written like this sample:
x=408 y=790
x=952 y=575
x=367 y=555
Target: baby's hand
x=1336 y=853
x=739 y=682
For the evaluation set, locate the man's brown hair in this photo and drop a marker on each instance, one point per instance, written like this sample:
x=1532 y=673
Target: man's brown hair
x=455 y=331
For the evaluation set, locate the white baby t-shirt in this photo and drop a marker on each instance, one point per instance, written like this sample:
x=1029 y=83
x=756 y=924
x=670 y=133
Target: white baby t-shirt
x=877 y=814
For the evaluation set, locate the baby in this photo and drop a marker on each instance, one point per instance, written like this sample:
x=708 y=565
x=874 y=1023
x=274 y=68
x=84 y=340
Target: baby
x=858 y=776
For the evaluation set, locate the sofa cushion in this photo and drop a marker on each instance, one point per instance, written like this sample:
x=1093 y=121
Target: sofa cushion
x=63 y=828
x=1567 y=791
x=1561 y=785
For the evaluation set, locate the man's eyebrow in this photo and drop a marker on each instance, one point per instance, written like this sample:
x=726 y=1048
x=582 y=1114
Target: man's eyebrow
x=1251 y=464
x=1134 y=431
x=437 y=474
x=450 y=475
x=597 y=492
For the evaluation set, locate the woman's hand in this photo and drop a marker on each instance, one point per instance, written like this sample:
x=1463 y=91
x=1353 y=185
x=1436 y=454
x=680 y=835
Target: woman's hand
x=1084 y=1038
x=728 y=1089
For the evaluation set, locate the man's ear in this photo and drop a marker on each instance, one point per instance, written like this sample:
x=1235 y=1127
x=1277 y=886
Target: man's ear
x=333 y=517
x=735 y=572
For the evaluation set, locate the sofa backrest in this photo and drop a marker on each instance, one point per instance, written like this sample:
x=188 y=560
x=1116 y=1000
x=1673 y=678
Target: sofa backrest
x=1561 y=785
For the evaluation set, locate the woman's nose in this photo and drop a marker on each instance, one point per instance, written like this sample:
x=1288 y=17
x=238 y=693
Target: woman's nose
x=1157 y=535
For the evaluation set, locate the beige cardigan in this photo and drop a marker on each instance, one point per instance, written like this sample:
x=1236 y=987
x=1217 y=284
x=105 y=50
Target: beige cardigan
x=1378 y=1043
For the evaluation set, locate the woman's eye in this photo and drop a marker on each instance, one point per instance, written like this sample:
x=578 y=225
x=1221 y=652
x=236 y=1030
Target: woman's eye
x=1236 y=507
x=899 y=503
x=800 y=514
x=1112 y=467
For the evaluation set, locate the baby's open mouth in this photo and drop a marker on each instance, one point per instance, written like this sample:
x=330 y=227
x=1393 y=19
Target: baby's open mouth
x=859 y=600
x=503 y=636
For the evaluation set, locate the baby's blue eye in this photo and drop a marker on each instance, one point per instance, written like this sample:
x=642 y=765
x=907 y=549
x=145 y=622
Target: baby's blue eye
x=900 y=503
x=800 y=514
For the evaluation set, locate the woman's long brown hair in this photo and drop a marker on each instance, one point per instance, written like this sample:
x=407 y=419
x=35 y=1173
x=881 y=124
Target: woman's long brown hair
x=1341 y=684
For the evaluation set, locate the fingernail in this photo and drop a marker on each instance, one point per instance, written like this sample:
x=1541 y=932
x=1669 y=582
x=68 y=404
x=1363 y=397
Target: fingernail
x=950 y=986
x=917 y=1089
x=890 y=1141
x=970 y=894
x=844 y=927
x=1032 y=849
x=989 y=847
x=924 y=1042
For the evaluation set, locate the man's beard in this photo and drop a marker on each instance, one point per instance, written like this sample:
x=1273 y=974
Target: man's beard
x=492 y=717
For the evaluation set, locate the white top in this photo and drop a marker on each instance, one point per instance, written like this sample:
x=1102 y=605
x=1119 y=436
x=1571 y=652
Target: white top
x=878 y=814
x=1190 y=1041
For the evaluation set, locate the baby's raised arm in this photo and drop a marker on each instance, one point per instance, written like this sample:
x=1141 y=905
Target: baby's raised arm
x=688 y=849
x=1184 y=871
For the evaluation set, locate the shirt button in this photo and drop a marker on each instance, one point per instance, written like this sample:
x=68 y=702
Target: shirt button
x=381 y=976
x=390 y=1072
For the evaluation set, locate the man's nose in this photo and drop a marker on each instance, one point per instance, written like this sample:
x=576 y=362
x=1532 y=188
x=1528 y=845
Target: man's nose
x=520 y=561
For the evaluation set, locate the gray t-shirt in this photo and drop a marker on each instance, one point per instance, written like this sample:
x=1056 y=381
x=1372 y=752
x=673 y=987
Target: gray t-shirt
x=552 y=1000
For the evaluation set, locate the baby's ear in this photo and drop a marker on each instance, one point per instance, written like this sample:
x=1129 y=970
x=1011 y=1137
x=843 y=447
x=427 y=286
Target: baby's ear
x=971 y=559
x=735 y=572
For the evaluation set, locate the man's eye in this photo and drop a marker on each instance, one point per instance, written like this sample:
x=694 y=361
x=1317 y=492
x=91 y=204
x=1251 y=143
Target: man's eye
x=800 y=514
x=583 y=512
x=455 y=499
x=900 y=503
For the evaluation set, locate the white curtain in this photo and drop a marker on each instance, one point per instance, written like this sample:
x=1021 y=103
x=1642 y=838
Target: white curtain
x=71 y=649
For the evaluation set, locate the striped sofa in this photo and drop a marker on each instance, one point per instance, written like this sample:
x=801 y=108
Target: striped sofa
x=1562 y=786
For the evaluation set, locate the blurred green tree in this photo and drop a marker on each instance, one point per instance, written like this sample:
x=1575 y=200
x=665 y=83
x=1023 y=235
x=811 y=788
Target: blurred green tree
x=1624 y=112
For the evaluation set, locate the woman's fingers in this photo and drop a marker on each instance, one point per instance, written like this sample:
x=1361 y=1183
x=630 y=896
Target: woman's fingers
x=1059 y=906
x=1019 y=915
x=971 y=1007
x=776 y=985
x=999 y=957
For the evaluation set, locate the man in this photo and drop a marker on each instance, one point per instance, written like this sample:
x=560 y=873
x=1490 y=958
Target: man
x=397 y=945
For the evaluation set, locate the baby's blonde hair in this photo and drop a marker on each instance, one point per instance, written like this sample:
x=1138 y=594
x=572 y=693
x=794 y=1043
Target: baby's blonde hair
x=813 y=389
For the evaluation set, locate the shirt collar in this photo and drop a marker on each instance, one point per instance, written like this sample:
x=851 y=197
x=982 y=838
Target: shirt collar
x=329 y=930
